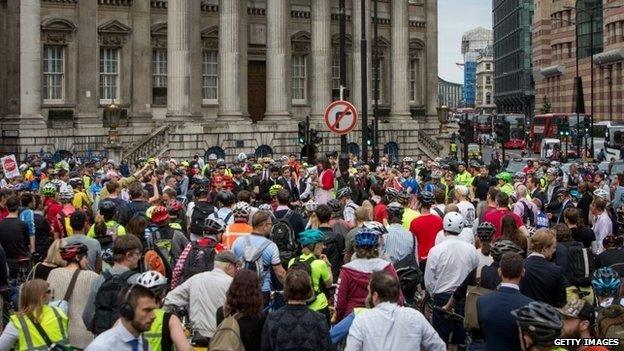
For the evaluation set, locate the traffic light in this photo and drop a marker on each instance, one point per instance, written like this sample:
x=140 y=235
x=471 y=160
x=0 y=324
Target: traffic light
x=303 y=133
x=469 y=132
x=502 y=131
x=314 y=137
x=370 y=135
x=586 y=124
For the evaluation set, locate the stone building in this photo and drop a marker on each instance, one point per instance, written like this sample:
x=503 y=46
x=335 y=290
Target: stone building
x=484 y=101
x=198 y=75
x=555 y=53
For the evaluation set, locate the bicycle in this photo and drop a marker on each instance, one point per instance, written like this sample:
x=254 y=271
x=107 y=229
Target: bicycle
x=191 y=337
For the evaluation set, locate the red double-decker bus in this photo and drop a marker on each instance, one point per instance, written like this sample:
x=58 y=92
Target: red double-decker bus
x=545 y=126
x=516 y=131
x=483 y=124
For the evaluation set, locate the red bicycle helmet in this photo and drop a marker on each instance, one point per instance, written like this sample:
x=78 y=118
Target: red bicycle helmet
x=160 y=215
x=70 y=252
x=174 y=207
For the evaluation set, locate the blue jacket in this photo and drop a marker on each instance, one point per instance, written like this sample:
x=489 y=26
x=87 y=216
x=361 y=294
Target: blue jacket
x=497 y=323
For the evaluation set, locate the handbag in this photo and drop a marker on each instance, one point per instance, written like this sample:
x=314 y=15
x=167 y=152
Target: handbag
x=471 y=319
x=51 y=345
x=64 y=303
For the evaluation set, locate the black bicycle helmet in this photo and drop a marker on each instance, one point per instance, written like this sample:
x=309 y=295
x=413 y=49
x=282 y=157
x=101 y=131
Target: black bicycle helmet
x=395 y=210
x=502 y=247
x=426 y=198
x=108 y=208
x=485 y=231
x=403 y=197
x=335 y=205
x=343 y=192
x=391 y=194
x=73 y=252
x=226 y=198
x=541 y=321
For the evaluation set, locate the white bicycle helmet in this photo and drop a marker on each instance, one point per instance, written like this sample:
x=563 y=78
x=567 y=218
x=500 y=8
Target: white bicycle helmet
x=152 y=280
x=311 y=206
x=601 y=193
x=453 y=223
x=212 y=157
x=66 y=192
x=242 y=157
x=241 y=209
x=375 y=226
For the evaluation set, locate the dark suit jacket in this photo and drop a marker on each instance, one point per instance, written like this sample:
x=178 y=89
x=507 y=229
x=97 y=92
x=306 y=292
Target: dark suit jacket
x=540 y=195
x=496 y=321
x=265 y=185
x=543 y=281
x=291 y=186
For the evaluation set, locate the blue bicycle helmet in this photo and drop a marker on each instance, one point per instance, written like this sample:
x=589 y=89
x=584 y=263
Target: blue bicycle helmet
x=606 y=281
x=366 y=238
x=311 y=237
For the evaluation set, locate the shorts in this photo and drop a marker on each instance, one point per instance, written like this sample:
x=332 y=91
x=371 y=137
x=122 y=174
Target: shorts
x=449 y=331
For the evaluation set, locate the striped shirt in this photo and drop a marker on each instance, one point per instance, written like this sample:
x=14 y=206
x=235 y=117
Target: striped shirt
x=398 y=243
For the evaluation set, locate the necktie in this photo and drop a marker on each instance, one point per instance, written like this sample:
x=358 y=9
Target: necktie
x=135 y=344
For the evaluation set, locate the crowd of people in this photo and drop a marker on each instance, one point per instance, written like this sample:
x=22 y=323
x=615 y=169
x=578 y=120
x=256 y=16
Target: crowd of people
x=297 y=254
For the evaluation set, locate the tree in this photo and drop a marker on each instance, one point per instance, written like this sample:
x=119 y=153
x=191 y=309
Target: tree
x=545 y=105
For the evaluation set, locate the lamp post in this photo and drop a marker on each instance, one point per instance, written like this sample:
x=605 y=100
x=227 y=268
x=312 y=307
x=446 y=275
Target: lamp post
x=364 y=84
x=376 y=84
x=113 y=113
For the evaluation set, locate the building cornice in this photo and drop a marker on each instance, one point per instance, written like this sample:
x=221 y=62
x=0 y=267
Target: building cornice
x=608 y=57
x=127 y=3
x=552 y=71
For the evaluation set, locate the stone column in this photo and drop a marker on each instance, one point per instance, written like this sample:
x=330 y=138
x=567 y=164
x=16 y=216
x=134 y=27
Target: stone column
x=30 y=61
x=431 y=71
x=400 y=60
x=321 y=57
x=88 y=64
x=356 y=91
x=178 y=58
x=278 y=61
x=232 y=58
x=141 y=61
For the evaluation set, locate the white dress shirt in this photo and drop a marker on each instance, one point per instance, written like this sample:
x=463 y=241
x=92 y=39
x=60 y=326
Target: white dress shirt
x=390 y=327
x=448 y=265
x=117 y=338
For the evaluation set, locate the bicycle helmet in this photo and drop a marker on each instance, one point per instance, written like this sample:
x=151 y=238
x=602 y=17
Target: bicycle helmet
x=366 y=238
x=403 y=197
x=226 y=198
x=408 y=159
x=612 y=240
x=256 y=167
x=107 y=256
x=221 y=163
x=212 y=157
x=502 y=247
x=160 y=215
x=237 y=170
x=48 y=190
x=606 y=281
x=485 y=231
x=241 y=210
x=437 y=174
x=453 y=222
x=601 y=193
x=66 y=193
x=152 y=280
x=108 y=208
x=311 y=206
x=375 y=226
x=335 y=205
x=265 y=207
x=395 y=210
x=343 y=192
x=311 y=237
x=392 y=194
x=519 y=176
x=73 y=252
x=426 y=198
x=174 y=207
x=274 y=189
x=213 y=226
x=541 y=321
x=76 y=182
x=504 y=176
x=241 y=157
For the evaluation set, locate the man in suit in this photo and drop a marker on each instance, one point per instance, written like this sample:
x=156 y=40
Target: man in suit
x=266 y=184
x=288 y=182
x=543 y=280
x=494 y=309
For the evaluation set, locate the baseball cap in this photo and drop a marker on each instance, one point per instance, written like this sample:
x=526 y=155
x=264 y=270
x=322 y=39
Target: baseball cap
x=227 y=257
x=578 y=309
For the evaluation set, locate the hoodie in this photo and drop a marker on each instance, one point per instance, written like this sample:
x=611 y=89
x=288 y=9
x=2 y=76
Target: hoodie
x=352 y=287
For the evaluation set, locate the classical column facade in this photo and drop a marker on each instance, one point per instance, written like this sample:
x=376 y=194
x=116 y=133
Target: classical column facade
x=88 y=63
x=431 y=8
x=232 y=58
x=321 y=57
x=278 y=60
x=400 y=57
x=141 y=60
x=30 y=61
x=179 y=58
x=356 y=19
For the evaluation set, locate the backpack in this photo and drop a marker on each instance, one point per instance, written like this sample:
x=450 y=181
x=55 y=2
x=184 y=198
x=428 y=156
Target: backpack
x=135 y=211
x=581 y=265
x=252 y=255
x=201 y=211
x=227 y=336
x=107 y=300
x=162 y=238
x=283 y=235
x=614 y=219
x=199 y=259
x=542 y=220
x=610 y=322
x=528 y=217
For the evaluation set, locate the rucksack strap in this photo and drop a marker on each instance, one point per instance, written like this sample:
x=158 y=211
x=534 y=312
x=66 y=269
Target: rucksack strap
x=72 y=284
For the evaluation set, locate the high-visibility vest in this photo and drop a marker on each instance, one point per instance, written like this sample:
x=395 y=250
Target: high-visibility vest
x=154 y=335
x=53 y=321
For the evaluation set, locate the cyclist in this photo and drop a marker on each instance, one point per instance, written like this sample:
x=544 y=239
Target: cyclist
x=606 y=283
x=540 y=324
x=425 y=227
x=106 y=229
x=167 y=329
x=313 y=261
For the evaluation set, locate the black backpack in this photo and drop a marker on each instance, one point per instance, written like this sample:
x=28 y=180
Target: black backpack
x=200 y=259
x=107 y=301
x=615 y=227
x=201 y=211
x=528 y=217
x=333 y=252
x=283 y=235
x=580 y=265
x=306 y=266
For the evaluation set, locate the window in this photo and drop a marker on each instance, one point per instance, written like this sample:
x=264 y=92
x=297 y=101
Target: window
x=588 y=10
x=336 y=71
x=53 y=73
x=299 y=78
x=488 y=80
x=159 y=77
x=488 y=99
x=109 y=75
x=488 y=66
x=210 y=84
x=412 y=80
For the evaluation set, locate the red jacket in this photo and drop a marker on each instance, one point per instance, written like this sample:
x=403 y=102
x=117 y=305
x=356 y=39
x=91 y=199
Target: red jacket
x=52 y=212
x=352 y=287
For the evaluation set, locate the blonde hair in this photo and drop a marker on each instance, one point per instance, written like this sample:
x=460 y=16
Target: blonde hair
x=368 y=206
x=542 y=239
x=31 y=298
x=54 y=253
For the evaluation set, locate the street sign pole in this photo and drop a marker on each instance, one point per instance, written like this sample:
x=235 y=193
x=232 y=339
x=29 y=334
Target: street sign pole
x=465 y=140
x=376 y=84
x=343 y=73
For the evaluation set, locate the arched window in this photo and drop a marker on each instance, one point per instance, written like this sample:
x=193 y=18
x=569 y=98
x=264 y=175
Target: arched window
x=353 y=148
x=263 y=151
x=215 y=150
x=392 y=150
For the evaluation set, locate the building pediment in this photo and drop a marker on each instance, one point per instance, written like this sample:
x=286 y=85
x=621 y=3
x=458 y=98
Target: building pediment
x=114 y=27
x=57 y=30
